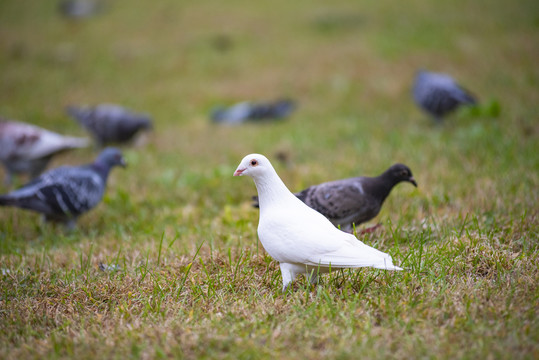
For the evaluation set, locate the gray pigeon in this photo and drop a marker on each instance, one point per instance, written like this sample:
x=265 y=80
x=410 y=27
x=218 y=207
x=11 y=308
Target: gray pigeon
x=439 y=94
x=355 y=200
x=26 y=148
x=79 y=9
x=65 y=193
x=250 y=111
x=109 y=123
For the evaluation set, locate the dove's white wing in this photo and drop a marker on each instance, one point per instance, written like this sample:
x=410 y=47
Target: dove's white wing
x=295 y=233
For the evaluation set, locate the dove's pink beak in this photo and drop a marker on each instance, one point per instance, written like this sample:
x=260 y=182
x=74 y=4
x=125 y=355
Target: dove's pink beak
x=238 y=172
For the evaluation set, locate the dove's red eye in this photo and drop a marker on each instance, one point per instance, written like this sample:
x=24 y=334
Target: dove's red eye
x=254 y=162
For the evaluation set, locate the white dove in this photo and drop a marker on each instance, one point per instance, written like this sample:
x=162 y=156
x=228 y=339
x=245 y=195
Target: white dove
x=301 y=239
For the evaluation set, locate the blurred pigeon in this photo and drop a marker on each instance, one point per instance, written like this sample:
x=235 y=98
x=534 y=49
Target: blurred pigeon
x=109 y=268
x=438 y=94
x=65 y=193
x=79 y=9
x=301 y=239
x=353 y=201
x=109 y=123
x=26 y=148
x=249 y=111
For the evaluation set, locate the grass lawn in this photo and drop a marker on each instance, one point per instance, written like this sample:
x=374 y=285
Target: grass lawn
x=185 y=275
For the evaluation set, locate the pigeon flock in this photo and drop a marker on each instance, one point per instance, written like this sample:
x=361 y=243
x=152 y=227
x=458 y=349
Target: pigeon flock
x=64 y=193
x=308 y=232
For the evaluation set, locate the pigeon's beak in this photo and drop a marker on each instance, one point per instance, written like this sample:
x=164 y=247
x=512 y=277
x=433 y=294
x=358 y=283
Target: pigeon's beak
x=123 y=163
x=412 y=180
x=238 y=172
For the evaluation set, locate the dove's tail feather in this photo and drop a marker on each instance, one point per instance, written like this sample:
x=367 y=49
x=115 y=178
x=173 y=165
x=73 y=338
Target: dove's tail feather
x=384 y=264
x=360 y=255
x=388 y=266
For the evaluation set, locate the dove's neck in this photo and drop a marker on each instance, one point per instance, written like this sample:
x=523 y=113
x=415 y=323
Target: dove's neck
x=381 y=186
x=271 y=190
x=102 y=169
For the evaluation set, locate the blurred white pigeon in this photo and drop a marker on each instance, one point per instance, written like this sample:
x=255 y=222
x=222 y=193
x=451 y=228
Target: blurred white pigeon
x=301 y=239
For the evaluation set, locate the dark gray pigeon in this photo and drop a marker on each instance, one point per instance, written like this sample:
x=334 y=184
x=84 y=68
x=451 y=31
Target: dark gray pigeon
x=354 y=200
x=26 y=148
x=65 y=193
x=250 y=111
x=109 y=123
x=439 y=94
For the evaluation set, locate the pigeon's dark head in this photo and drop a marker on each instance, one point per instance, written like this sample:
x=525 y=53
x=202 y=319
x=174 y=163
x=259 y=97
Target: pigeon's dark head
x=111 y=157
x=421 y=73
x=401 y=172
x=145 y=123
x=284 y=107
x=254 y=165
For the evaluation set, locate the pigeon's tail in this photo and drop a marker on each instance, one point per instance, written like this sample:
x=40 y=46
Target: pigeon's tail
x=218 y=115
x=465 y=97
x=7 y=201
x=384 y=262
x=78 y=113
x=255 y=202
x=387 y=265
x=356 y=256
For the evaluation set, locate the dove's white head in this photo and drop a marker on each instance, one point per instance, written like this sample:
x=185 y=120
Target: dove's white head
x=254 y=165
x=270 y=187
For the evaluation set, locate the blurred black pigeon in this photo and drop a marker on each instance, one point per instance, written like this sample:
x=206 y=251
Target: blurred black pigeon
x=79 y=9
x=353 y=201
x=250 y=111
x=26 y=148
x=109 y=123
x=439 y=94
x=63 y=194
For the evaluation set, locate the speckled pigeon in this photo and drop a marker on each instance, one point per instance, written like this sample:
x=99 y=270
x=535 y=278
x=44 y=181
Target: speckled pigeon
x=26 y=148
x=250 y=111
x=353 y=201
x=109 y=123
x=439 y=94
x=63 y=194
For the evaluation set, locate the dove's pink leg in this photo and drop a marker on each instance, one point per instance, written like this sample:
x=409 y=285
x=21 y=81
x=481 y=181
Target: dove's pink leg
x=370 y=229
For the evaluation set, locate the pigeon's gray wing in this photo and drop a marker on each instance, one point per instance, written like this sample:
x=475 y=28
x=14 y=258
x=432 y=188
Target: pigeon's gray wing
x=342 y=201
x=62 y=192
